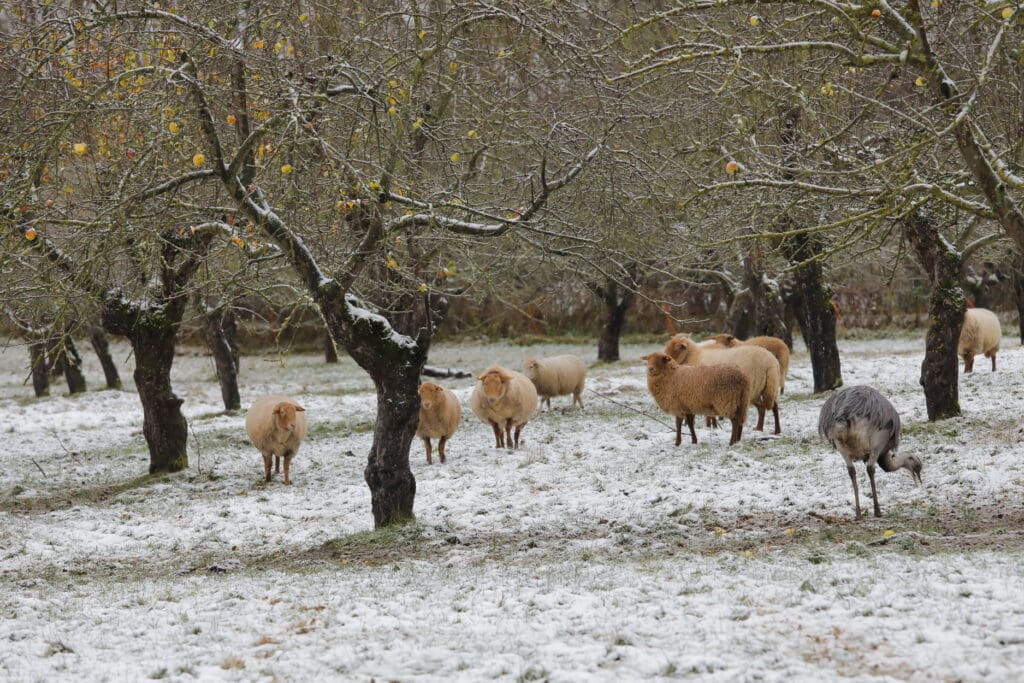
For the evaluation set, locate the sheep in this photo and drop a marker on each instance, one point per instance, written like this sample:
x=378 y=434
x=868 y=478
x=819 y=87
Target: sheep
x=276 y=426
x=863 y=425
x=503 y=399
x=981 y=333
x=440 y=413
x=758 y=363
x=685 y=391
x=773 y=345
x=557 y=376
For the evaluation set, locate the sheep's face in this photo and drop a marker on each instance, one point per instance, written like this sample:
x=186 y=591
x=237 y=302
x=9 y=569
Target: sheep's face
x=679 y=347
x=430 y=394
x=726 y=340
x=657 y=363
x=531 y=368
x=284 y=415
x=495 y=383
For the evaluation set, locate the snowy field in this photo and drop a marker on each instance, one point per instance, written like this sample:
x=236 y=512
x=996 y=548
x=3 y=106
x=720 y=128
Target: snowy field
x=597 y=552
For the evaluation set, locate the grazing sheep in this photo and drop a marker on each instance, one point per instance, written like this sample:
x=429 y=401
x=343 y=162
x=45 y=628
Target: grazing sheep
x=758 y=363
x=276 y=426
x=773 y=345
x=557 y=376
x=863 y=425
x=981 y=333
x=503 y=399
x=685 y=391
x=440 y=413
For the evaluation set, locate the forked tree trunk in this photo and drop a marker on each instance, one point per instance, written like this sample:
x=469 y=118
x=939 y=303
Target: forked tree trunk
x=98 y=338
x=40 y=373
x=71 y=364
x=814 y=311
x=163 y=423
x=767 y=308
x=940 y=369
x=221 y=334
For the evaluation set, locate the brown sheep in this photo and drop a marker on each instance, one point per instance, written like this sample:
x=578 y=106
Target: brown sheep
x=981 y=333
x=504 y=399
x=686 y=390
x=276 y=426
x=557 y=376
x=440 y=413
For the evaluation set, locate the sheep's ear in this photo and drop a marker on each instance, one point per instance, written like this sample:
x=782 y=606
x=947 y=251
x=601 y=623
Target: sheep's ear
x=481 y=377
x=645 y=357
x=503 y=375
x=299 y=409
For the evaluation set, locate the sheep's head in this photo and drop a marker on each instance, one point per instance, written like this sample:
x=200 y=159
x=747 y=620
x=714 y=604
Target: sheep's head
x=680 y=347
x=284 y=415
x=726 y=340
x=495 y=382
x=657 y=363
x=531 y=366
x=430 y=394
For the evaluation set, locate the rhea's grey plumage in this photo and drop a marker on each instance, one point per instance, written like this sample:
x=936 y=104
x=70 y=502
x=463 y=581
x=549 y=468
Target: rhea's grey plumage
x=862 y=425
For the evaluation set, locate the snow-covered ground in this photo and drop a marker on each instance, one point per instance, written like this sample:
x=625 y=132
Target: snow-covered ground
x=598 y=551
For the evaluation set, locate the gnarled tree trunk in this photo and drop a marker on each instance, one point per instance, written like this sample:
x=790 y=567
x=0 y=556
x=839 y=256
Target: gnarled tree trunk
x=940 y=369
x=1018 y=290
x=40 y=372
x=163 y=423
x=221 y=335
x=64 y=359
x=768 y=310
x=617 y=298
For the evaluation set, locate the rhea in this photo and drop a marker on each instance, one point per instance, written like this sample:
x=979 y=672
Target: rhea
x=863 y=425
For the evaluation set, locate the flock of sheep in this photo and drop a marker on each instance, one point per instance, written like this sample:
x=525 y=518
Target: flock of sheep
x=718 y=378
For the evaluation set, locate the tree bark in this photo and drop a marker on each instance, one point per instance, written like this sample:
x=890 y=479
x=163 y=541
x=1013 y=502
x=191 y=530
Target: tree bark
x=617 y=299
x=940 y=368
x=814 y=311
x=768 y=310
x=221 y=333
x=70 y=363
x=40 y=372
x=1018 y=290
x=330 y=352
x=98 y=338
x=163 y=423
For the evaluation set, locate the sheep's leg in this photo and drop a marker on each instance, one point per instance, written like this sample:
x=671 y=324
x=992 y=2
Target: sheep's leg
x=578 y=396
x=679 y=430
x=968 y=363
x=519 y=430
x=499 y=437
x=266 y=466
x=426 y=442
x=760 y=419
x=440 y=448
x=775 y=414
x=993 y=362
x=737 y=427
x=508 y=435
x=287 y=465
x=689 y=423
x=856 y=494
x=277 y=464
x=874 y=493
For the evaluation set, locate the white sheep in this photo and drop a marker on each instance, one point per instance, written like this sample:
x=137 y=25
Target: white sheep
x=759 y=364
x=981 y=333
x=773 y=345
x=687 y=390
x=557 y=376
x=440 y=413
x=504 y=399
x=276 y=426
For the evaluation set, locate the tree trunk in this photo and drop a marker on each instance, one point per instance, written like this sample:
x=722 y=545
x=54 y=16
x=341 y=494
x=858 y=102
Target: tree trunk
x=392 y=484
x=940 y=369
x=1018 y=289
x=617 y=300
x=71 y=365
x=98 y=338
x=768 y=310
x=814 y=311
x=738 y=319
x=163 y=423
x=40 y=373
x=221 y=334
x=330 y=352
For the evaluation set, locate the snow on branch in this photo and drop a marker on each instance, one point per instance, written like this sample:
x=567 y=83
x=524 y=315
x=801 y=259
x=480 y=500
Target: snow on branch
x=175 y=183
x=359 y=315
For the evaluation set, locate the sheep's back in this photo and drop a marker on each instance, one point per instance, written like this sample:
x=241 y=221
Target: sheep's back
x=981 y=332
x=759 y=364
x=559 y=375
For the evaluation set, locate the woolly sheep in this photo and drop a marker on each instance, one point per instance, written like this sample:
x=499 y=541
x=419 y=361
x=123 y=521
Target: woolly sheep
x=276 y=426
x=759 y=364
x=504 y=399
x=773 y=345
x=686 y=390
x=557 y=376
x=440 y=413
x=863 y=425
x=981 y=333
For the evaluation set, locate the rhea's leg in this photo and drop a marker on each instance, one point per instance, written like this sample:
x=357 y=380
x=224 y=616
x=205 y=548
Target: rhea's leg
x=874 y=493
x=856 y=494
